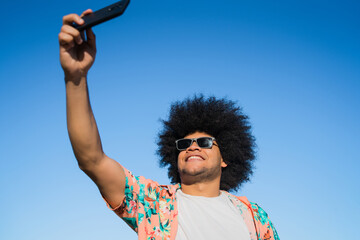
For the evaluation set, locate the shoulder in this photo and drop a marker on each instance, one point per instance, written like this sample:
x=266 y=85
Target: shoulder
x=264 y=227
x=238 y=199
x=141 y=186
x=258 y=212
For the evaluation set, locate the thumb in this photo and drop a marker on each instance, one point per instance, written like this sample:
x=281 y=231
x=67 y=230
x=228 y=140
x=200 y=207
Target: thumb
x=91 y=38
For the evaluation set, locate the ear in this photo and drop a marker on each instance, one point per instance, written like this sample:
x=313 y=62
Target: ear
x=223 y=164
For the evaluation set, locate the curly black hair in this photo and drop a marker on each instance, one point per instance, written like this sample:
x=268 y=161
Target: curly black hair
x=220 y=118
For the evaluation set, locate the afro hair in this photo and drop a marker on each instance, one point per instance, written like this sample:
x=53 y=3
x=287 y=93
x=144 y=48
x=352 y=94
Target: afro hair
x=220 y=118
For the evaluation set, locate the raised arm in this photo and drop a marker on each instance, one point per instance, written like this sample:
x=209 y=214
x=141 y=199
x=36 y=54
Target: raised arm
x=76 y=58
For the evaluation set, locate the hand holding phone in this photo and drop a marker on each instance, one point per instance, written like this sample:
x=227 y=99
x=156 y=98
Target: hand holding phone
x=102 y=15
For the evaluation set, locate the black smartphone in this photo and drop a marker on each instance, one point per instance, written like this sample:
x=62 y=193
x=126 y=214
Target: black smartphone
x=102 y=15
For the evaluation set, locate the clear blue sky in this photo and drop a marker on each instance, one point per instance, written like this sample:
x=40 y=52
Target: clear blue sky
x=294 y=67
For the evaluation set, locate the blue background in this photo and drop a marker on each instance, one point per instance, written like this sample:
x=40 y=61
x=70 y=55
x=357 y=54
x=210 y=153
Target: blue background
x=294 y=67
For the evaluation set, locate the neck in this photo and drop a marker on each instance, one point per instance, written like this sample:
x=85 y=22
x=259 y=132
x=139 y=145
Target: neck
x=205 y=189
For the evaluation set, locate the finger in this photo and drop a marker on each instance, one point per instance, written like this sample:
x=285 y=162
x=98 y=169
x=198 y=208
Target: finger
x=69 y=19
x=91 y=38
x=74 y=33
x=66 y=40
x=82 y=34
x=86 y=12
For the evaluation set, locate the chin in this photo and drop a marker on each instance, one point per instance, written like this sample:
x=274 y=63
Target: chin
x=195 y=171
x=189 y=176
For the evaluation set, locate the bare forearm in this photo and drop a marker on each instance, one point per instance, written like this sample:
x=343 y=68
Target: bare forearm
x=82 y=128
x=76 y=58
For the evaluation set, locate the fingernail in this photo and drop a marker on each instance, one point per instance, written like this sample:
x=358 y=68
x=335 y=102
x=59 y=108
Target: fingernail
x=81 y=21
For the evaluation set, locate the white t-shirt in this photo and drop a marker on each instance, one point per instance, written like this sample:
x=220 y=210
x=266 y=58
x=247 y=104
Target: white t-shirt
x=210 y=218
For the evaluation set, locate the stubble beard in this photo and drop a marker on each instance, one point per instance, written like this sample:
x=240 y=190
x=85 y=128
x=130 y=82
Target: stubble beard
x=199 y=175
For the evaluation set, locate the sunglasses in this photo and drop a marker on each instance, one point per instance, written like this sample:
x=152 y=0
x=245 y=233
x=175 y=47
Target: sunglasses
x=203 y=142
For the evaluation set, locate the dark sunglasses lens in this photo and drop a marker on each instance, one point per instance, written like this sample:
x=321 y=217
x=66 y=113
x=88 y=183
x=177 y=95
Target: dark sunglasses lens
x=183 y=143
x=204 y=142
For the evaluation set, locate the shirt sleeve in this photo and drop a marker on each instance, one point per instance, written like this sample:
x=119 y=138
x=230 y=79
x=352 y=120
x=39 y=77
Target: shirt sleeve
x=265 y=228
x=140 y=197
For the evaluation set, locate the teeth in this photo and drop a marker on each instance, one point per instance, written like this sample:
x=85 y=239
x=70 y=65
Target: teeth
x=195 y=158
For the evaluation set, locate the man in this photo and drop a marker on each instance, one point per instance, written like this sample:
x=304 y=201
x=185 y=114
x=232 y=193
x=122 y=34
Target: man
x=206 y=144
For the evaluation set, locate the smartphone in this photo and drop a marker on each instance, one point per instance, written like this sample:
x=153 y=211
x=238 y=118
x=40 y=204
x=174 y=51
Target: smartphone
x=103 y=15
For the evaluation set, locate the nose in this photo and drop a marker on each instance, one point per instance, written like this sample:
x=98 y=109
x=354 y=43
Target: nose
x=194 y=146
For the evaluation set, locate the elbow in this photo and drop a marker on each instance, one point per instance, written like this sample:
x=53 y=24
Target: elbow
x=86 y=162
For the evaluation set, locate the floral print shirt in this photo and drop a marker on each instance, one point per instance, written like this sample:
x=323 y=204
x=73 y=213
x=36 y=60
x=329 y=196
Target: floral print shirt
x=150 y=210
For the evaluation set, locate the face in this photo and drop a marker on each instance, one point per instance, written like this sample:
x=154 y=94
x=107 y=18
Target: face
x=197 y=164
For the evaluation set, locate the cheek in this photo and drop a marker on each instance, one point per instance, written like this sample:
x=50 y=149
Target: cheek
x=218 y=157
x=180 y=156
